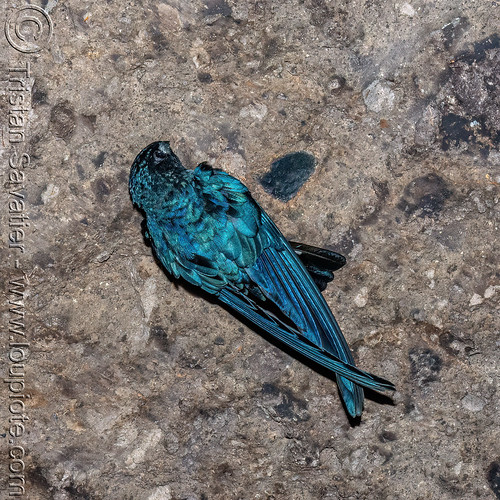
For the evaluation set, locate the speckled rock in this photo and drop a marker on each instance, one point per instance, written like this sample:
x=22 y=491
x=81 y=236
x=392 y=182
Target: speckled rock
x=138 y=387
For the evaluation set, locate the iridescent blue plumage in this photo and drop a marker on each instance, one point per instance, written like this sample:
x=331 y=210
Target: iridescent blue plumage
x=206 y=228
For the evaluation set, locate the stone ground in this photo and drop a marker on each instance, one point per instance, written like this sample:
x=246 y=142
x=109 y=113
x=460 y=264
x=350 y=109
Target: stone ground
x=140 y=389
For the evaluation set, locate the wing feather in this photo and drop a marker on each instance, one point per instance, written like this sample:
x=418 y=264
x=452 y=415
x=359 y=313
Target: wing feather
x=242 y=257
x=293 y=339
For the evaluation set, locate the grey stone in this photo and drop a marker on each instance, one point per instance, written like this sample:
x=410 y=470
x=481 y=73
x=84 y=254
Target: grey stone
x=379 y=96
x=473 y=403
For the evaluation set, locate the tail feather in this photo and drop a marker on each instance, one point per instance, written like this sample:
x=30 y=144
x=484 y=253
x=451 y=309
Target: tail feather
x=253 y=312
x=284 y=280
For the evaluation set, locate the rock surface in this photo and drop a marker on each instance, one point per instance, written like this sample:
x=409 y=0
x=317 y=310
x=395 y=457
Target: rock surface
x=141 y=389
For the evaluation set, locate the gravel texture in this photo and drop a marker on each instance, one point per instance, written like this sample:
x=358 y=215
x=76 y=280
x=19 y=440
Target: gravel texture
x=140 y=388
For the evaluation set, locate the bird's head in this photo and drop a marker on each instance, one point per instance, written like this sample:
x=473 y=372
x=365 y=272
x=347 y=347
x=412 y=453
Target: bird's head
x=153 y=162
x=158 y=154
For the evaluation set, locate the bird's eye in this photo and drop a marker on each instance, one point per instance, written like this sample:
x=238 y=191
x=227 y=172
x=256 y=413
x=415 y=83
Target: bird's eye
x=159 y=155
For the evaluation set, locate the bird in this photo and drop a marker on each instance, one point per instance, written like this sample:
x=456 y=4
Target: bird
x=205 y=228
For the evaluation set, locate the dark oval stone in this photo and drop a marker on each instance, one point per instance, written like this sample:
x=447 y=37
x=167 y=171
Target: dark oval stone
x=288 y=174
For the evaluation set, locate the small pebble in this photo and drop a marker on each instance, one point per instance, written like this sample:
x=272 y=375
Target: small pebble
x=473 y=403
x=378 y=96
x=475 y=300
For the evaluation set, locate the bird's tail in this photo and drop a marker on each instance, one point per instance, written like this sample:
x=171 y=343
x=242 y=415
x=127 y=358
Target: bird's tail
x=350 y=375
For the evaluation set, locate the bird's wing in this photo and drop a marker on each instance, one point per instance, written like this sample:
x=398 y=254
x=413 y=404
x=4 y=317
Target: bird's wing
x=238 y=253
x=284 y=280
x=212 y=244
x=265 y=319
